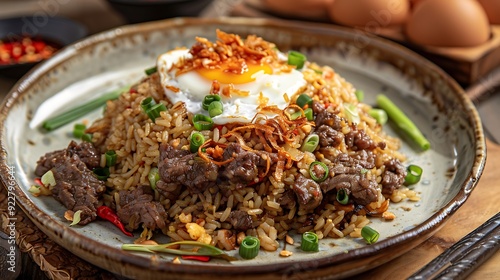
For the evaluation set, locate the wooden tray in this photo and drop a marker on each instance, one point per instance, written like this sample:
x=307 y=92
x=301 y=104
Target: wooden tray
x=466 y=65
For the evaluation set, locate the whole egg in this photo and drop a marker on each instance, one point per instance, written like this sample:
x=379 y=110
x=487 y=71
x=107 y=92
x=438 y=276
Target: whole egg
x=369 y=13
x=448 y=23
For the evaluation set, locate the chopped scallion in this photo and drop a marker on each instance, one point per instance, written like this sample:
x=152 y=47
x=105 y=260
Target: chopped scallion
x=215 y=108
x=379 y=115
x=153 y=177
x=304 y=100
x=202 y=122
x=48 y=179
x=403 y=122
x=147 y=103
x=310 y=143
x=197 y=139
x=209 y=99
x=318 y=171
x=80 y=111
x=249 y=247
x=87 y=137
x=102 y=173
x=79 y=130
x=351 y=112
x=360 y=95
x=309 y=114
x=76 y=218
x=154 y=112
x=369 y=234
x=151 y=70
x=342 y=196
x=297 y=59
x=414 y=174
x=110 y=158
x=295 y=115
x=309 y=242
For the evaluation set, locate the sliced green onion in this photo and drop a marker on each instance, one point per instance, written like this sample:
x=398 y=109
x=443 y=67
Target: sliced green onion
x=309 y=114
x=323 y=170
x=197 y=139
x=309 y=242
x=414 y=174
x=215 y=108
x=151 y=70
x=110 y=158
x=87 y=137
x=76 y=218
x=403 y=122
x=147 y=103
x=202 y=122
x=304 y=100
x=154 y=112
x=310 y=143
x=295 y=115
x=80 y=111
x=102 y=173
x=351 y=112
x=48 y=179
x=360 y=95
x=379 y=115
x=342 y=196
x=79 y=130
x=153 y=177
x=369 y=234
x=249 y=247
x=35 y=190
x=209 y=99
x=297 y=59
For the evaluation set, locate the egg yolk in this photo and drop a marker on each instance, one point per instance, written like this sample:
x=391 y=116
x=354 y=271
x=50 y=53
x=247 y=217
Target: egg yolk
x=222 y=75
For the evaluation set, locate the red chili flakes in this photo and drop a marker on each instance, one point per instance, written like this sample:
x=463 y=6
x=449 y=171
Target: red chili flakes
x=25 y=50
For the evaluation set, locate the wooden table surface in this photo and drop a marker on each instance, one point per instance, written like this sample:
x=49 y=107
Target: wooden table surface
x=44 y=258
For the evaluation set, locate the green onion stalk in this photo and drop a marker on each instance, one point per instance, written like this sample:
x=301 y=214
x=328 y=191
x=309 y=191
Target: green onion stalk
x=82 y=110
x=403 y=122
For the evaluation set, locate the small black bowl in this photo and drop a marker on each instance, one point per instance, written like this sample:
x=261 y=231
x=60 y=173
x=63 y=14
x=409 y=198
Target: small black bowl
x=56 y=30
x=136 y=11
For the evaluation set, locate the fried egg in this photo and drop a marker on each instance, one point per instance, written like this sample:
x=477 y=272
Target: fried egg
x=256 y=87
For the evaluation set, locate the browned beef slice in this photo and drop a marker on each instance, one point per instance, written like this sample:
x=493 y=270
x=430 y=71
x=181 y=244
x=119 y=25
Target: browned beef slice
x=325 y=117
x=348 y=175
x=363 y=191
x=137 y=207
x=243 y=169
x=308 y=192
x=186 y=169
x=393 y=176
x=329 y=137
x=240 y=220
x=359 y=140
x=85 y=151
x=76 y=187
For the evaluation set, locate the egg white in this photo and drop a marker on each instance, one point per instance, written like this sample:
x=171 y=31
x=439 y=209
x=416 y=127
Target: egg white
x=193 y=88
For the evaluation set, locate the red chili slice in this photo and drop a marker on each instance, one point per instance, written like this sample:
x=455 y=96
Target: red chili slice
x=196 y=258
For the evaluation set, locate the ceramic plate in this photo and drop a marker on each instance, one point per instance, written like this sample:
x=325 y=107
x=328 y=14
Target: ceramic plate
x=110 y=59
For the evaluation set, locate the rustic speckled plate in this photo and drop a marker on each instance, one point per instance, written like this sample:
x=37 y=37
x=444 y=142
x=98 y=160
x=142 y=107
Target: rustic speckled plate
x=110 y=59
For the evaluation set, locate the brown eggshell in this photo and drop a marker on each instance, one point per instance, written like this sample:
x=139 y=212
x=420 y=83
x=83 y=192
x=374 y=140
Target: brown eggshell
x=310 y=9
x=492 y=8
x=448 y=23
x=369 y=13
